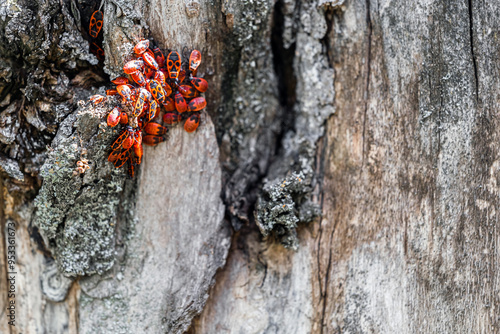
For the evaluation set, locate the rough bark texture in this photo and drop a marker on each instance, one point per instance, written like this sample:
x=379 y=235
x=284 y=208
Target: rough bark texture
x=399 y=185
x=406 y=242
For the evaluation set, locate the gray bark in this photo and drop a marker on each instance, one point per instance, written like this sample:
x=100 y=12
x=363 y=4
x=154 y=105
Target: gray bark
x=278 y=215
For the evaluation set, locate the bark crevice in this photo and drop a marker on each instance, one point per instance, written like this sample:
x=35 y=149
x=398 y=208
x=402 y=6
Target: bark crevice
x=473 y=55
x=368 y=70
x=283 y=59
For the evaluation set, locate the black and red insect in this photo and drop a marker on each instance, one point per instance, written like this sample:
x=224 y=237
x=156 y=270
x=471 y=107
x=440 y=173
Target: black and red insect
x=173 y=64
x=125 y=140
x=141 y=47
x=187 y=91
x=152 y=140
x=194 y=61
x=97 y=51
x=200 y=84
x=114 y=117
x=197 y=104
x=192 y=123
x=156 y=90
x=95 y=23
x=180 y=103
x=159 y=57
x=155 y=129
x=171 y=118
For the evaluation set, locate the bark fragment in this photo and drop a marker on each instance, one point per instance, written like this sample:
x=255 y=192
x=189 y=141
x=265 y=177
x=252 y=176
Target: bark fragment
x=313 y=105
x=77 y=213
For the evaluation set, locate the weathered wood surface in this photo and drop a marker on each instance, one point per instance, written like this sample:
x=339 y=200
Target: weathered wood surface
x=168 y=262
x=405 y=175
x=407 y=240
x=179 y=236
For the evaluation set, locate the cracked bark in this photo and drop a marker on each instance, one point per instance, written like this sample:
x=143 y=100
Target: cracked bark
x=405 y=172
x=368 y=69
x=474 y=61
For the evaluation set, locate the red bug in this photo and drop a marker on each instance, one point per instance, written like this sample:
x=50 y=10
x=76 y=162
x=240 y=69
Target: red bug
x=149 y=59
x=142 y=99
x=126 y=92
x=149 y=72
x=173 y=64
x=97 y=51
x=96 y=99
x=156 y=90
x=151 y=140
x=197 y=104
x=123 y=118
x=111 y=92
x=194 y=61
x=119 y=156
x=128 y=142
x=138 y=152
x=138 y=78
x=122 y=158
x=114 y=154
x=141 y=47
x=114 y=117
x=95 y=23
x=200 y=84
x=192 y=123
x=124 y=136
x=120 y=81
x=160 y=77
x=133 y=66
x=182 y=75
x=153 y=107
x=169 y=104
x=171 y=118
x=180 y=103
x=159 y=57
x=155 y=129
x=187 y=91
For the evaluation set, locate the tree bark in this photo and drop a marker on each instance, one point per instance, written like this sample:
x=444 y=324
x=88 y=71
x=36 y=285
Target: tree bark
x=278 y=215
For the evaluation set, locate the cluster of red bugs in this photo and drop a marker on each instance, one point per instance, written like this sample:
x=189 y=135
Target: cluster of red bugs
x=152 y=83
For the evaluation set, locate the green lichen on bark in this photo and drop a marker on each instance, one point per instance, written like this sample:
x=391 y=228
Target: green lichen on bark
x=76 y=213
x=282 y=205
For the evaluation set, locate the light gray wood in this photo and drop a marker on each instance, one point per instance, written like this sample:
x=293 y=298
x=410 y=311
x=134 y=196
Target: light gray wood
x=174 y=246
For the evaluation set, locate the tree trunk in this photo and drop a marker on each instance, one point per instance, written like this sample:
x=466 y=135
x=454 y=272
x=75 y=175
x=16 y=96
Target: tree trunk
x=278 y=215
